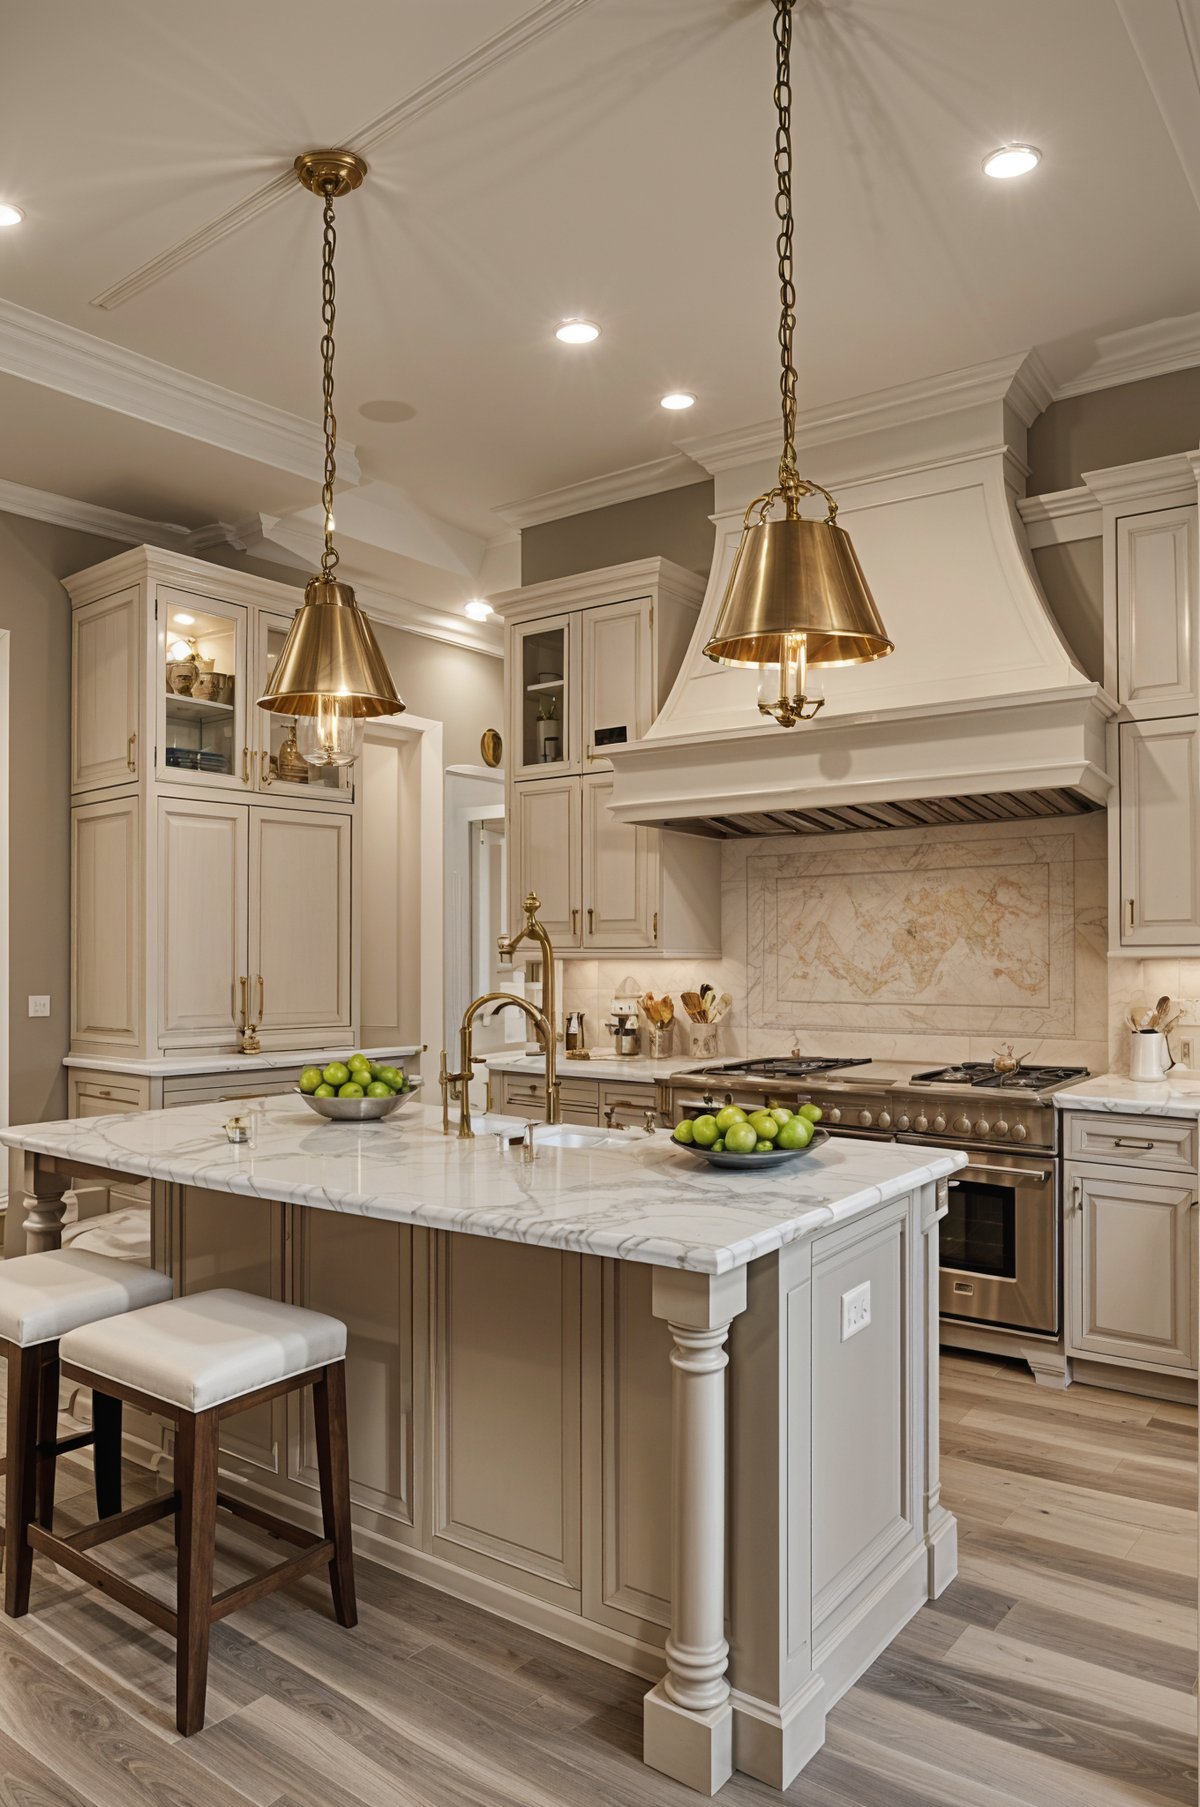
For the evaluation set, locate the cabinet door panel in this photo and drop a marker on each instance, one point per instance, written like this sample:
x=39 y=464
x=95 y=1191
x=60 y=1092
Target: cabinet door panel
x=620 y=875
x=300 y=918
x=1160 y=834
x=202 y=855
x=542 y=661
x=268 y=731
x=106 y=938
x=1156 y=602
x=106 y=689
x=202 y=735
x=546 y=820
x=618 y=684
x=237 y=1242
x=1131 y=1269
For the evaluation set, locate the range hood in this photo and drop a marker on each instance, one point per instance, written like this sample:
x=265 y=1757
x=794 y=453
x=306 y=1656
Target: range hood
x=981 y=714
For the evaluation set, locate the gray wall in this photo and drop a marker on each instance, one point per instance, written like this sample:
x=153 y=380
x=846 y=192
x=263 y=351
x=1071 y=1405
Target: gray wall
x=673 y=524
x=463 y=690
x=1113 y=426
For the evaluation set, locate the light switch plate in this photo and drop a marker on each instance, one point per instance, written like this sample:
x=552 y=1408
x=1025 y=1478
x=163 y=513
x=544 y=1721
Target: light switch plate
x=39 y=1006
x=856 y=1310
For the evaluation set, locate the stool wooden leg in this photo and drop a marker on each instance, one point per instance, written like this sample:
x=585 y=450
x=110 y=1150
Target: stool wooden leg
x=196 y=1482
x=47 y=1434
x=106 y=1453
x=329 y=1410
x=20 y=1480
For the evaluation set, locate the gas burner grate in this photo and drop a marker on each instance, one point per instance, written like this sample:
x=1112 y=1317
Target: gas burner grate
x=796 y=1066
x=983 y=1075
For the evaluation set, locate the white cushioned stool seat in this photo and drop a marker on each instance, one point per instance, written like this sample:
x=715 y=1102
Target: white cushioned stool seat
x=207 y=1349
x=45 y=1296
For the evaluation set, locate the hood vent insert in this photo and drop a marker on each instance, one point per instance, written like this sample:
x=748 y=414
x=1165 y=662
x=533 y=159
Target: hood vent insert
x=996 y=806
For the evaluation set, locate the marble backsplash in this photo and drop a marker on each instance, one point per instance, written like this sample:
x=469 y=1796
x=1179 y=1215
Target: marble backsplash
x=925 y=945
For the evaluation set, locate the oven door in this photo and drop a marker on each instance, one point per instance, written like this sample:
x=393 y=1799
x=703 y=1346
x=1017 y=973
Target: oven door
x=999 y=1243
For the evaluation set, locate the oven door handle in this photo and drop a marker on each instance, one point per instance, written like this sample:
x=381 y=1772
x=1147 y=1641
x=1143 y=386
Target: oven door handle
x=1016 y=1174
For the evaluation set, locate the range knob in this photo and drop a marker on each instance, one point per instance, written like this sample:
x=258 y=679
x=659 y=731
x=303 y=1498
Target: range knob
x=1019 y=1132
x=834 y=1114
x=902 y=1120
x=1000 y=1128
x=921 y=1124
x=864 y=1118
x=939 y=1124
x=885 y=1119
x=962 y=1126
x=982 y=1127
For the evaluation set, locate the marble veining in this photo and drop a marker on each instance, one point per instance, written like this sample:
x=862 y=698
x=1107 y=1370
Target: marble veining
x=637 y=1069
x=638 y=1199
x=1127 y=1097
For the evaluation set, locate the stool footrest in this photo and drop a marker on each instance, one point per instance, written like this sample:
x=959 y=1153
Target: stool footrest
x=133 y=1519
x=76 y=1562
x=319 y=1552
x=64 y=1445
x=265 y=1521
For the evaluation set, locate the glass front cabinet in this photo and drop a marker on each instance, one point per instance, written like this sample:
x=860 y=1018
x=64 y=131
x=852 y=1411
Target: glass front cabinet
x=213 y=869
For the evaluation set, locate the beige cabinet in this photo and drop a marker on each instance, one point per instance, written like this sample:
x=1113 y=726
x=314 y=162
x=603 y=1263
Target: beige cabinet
x=107 y=987
x=202 y=895
x=1131 y=1267
x=106 y=690
x=543 y=690
x=546 y=819
x=1159 y=841
x=620 y=875
x=617 y=658
x=299 y=920
x=1156 y=612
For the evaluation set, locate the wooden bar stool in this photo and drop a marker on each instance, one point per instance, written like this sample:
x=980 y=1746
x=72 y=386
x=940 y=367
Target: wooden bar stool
x=42 y=1298
x=195 y=1361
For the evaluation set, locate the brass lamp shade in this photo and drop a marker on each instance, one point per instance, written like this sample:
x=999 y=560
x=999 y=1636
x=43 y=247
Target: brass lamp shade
x=793 y=577
x=330 y=651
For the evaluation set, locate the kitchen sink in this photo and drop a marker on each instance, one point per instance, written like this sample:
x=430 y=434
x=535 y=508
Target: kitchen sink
x=560 y=1135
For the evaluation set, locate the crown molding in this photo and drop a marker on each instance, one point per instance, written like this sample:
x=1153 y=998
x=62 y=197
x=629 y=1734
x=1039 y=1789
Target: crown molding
x=1164 y=481
x=1060 y=516
x=1159 y=349
x=41 y=350
x=673 y=472
x=86 y=517
x=494 y=50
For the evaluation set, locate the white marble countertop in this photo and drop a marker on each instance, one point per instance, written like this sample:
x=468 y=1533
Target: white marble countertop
x=166 y=1066
x=602 y=1063
x=633 y=1197
x=1170 y=1097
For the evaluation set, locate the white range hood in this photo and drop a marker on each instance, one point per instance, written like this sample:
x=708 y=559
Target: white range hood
x=981 y=713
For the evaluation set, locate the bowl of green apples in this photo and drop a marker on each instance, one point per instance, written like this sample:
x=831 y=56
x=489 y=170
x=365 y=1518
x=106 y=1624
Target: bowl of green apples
x=358 y=1090
x=770 y=1137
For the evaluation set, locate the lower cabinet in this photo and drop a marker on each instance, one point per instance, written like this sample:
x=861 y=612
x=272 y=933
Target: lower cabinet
x=1131 y=1267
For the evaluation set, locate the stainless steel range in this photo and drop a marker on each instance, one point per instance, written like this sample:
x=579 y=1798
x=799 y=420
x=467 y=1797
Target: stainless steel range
x=1001 y=1241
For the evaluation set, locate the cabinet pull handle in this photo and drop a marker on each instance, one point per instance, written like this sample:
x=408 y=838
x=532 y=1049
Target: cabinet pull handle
x=1129 y=915
x=654 y=925
x=262 y=993
x=265 y=776
x=245 y=765
x=591 y=915
x=1076 y=1195
x=243 y=982
x=1129 y=1142
x=574 y=922
x=130 y=761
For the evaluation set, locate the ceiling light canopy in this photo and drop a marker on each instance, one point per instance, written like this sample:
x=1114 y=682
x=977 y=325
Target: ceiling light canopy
x=478 y=609
x=677 y=399
x=796 y=596
x=330 y=674
x=1011 y=160
x=577 y=332
x=10 y=215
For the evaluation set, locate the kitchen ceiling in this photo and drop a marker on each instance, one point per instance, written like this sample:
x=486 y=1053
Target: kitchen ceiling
x=614 y=164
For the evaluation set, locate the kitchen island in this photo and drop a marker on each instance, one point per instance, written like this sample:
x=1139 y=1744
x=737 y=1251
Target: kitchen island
x=544 y=1415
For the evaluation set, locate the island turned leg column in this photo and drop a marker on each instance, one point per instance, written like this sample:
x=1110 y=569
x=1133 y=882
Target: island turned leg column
x=688 y=1721
x=45 y=1207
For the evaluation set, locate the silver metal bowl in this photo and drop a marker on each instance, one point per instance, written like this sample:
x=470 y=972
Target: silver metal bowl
x=360 y=1110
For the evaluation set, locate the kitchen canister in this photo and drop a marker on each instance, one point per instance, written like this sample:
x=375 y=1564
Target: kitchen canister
x=1149 y=1055
x=702 y=1040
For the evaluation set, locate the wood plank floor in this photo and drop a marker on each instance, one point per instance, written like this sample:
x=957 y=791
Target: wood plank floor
x=1057 y=1671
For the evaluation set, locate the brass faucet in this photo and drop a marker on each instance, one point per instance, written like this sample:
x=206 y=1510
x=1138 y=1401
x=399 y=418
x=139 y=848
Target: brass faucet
x=543 y=1022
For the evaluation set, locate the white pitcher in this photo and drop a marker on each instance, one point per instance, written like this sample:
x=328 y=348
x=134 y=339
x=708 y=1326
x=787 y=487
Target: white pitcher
x=1149 y=1055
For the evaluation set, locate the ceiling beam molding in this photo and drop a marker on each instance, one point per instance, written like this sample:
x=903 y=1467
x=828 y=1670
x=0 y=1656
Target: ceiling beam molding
x=38 y=349
x=1060 y=516
x=1159 y=349
x=86 y=517
x=489 y=55
x=673 y=472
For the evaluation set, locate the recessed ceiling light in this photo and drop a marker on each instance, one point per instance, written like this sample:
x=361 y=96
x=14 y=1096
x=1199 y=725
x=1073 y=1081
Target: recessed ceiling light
x=1011 y=160
x=184 y=620
x=577 y=332
x=678 y=398
x=9 y=215
x=478 y=609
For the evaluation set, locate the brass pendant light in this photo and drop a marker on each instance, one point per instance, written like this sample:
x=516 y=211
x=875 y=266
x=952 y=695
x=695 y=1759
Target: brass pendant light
x=330 y=674
x=796 y=596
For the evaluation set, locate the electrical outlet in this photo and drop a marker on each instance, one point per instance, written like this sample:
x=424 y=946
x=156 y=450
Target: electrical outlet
x=1187 y=1050
x=39 y=1006
x=856 y=1310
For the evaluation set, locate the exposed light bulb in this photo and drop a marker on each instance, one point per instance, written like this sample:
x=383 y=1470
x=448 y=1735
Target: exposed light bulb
x=577 y=332
x=678 y=398
x=10 y=215
x=478 y=609
x=334 y=735
x=180 y=650
x=1011 y=160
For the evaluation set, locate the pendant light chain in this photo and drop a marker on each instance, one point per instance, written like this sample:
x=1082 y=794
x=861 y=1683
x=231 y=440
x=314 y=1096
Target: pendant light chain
x=329 y=556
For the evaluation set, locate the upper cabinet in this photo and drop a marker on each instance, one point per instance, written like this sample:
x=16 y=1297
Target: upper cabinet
x=1156 y=612
x=589 y=661
x=106 y=668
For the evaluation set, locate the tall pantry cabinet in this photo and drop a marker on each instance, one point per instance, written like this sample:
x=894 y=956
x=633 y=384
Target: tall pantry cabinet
x=209 y=886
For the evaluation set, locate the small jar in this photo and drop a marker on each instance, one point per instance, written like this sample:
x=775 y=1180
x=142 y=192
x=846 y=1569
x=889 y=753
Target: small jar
x=658 y=1040
x=702 y=1040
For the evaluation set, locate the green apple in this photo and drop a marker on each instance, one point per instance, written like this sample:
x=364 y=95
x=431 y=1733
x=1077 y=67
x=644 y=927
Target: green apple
x=310 y=1079
x=781 y=1115
x=796 y=1134
x=391 y=1076
x=765 y=1146
x=336 y=1073
x=732 y=1113
x=351 y=1089
x=683 y=1131
x=765 y=1124
x=718 y=1146
x=705 y=1131
x=813 y=1112
x=740 y=1138
x=359 y=1063
x=324 y=1091
x=377 y=1089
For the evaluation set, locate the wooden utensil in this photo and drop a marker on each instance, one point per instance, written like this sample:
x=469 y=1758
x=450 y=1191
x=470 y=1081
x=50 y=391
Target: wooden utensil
x=693 y=1004
x=1161 y=1010
x=724 y=1003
